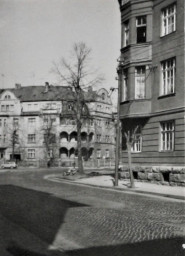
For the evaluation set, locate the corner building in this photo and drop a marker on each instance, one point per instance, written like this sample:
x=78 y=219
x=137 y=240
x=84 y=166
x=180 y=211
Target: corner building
x=37 y=125
x=152 y=82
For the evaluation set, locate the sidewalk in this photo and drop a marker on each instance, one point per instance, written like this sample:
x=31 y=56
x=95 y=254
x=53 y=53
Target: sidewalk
x=107 y=181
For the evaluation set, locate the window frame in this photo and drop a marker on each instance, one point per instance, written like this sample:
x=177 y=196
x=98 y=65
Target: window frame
x=126 y=33
x=31 y=123
x=139 y=85
x=124 y=94
x=31 y=153
x=165 y=77
x=137 y=143
x=32 y=138
x=165 y=29
x=165 y=145
x=139 y=26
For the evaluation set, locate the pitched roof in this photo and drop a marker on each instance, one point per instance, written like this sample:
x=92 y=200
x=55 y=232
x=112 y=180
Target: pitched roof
x=54 y=92
x=39 y=93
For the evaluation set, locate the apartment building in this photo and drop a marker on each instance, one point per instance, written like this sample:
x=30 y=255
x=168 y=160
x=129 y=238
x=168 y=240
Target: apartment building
x=152 y=83
x=37 y=125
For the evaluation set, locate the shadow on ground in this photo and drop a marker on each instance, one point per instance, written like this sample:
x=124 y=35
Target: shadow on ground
x=39 y=213
x=162 y=247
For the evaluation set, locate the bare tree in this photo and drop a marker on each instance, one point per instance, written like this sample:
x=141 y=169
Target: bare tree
x=50 y=140
x=77 y=74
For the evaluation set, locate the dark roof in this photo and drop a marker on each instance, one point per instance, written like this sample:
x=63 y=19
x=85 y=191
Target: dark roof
x=55 y=92
x=39 y=93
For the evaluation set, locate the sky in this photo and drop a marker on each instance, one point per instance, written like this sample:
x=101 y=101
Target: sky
x=34 y=33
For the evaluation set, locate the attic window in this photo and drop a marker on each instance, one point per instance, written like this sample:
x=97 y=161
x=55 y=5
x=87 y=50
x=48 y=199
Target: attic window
x=7 y=97
x=103 y=96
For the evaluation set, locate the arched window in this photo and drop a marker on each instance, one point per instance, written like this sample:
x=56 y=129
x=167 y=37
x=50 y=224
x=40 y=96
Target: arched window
x=103 y=96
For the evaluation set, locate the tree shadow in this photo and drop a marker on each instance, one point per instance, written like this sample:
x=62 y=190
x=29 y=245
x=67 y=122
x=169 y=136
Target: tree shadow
x=161 y=247
x=39 y=213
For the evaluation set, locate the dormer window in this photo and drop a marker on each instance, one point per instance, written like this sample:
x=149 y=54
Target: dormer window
x=7 y=97
x=103 y=96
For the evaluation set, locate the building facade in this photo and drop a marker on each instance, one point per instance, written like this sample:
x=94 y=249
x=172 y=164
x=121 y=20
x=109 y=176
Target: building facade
x=152 y=83
x=37 y=127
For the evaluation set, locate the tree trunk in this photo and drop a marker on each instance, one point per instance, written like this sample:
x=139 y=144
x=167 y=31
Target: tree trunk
x=79 y=126
x=130 y=165
x=79 y=146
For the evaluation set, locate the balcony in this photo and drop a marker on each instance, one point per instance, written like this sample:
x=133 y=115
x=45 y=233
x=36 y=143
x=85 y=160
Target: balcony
x=135 y=108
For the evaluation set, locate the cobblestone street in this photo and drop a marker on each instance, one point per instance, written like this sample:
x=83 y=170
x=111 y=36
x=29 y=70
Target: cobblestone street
x=74 y=219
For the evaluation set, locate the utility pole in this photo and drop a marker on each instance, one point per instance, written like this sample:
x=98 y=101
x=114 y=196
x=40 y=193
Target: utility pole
x=117 y=154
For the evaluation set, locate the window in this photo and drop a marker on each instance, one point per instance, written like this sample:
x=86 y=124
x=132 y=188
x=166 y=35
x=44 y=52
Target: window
x=31 y=153
x=91 y=122
x=168 y=76
x=137 y=143
x=3 y=108
x=69 y=107
x=107 y=138
x=98 y=121
x=46 y=120
x=126 y=33
x=49 y=138
x=7 y=108
x=141 y=29
x=31 y=138
x=98 y=153
x=0 y=122
x=50 y=153
x=168 y=20
x=4 y=122
x=98 y=137
x=167 y=136
x=16 y=122
x=53 y=119
x=107 y=153
x=125 y=85
x=103 y=96
x=4 y=139
x=7 y=97
x=140 y=82
x=31 y=121
x=29 y=106
x=107 y=124
x=35 y=106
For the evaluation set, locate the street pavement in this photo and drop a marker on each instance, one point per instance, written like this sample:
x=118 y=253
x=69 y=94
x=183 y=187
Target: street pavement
x=40 y=217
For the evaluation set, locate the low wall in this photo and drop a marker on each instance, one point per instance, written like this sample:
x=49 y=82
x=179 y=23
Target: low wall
x=166 y=176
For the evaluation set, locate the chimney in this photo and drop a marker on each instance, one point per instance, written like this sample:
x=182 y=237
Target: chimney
x=17 y=86
x=46 y=87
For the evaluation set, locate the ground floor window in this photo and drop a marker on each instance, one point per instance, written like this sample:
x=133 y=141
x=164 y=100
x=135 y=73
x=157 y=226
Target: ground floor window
x=137 y=140
x=98 y=153
x=107 y=153
x=31 y=153
x=167 y=136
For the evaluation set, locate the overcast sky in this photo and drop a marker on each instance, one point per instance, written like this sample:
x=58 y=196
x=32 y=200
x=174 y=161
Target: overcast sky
x=34 y=33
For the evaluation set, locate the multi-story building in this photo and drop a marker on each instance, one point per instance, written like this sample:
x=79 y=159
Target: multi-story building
x=152 y=81
x=37 y=125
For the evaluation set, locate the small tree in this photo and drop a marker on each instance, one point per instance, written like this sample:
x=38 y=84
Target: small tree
x=14 y=140
x=130 y=139
x=76 y=74
x=50 y=140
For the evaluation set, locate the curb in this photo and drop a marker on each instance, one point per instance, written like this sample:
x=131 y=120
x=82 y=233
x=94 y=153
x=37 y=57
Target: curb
x=54 y=178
